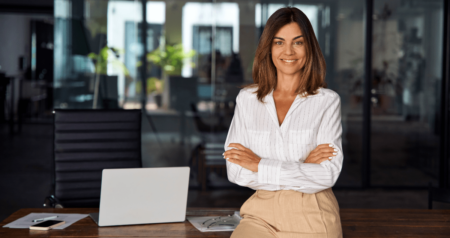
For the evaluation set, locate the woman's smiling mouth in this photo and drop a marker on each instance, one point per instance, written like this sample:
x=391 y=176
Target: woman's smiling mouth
x=288 y=61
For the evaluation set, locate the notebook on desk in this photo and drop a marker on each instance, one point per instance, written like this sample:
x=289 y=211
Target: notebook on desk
x=143 y=196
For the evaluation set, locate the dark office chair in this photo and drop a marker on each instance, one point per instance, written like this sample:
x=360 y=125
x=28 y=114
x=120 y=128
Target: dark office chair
x=85 y=143
x=438 y=195
x=207 y=156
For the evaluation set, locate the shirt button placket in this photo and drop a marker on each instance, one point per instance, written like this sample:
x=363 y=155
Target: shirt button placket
x=280 y=145
x=280 y=148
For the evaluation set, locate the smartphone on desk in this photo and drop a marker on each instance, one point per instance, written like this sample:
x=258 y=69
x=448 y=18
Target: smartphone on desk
x=46 y=225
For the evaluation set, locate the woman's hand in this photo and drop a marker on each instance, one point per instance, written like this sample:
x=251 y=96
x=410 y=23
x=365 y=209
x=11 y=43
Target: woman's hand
x=321 y=153
x=242 y=156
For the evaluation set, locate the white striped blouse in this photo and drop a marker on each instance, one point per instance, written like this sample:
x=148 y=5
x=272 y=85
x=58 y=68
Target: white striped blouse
x=310 y=121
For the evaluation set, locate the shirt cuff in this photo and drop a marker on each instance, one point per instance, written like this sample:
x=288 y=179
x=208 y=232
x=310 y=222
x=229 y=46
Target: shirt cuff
x=269 y=171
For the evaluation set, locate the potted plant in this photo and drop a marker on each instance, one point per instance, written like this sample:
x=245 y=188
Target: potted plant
x=170 y=58
x=106 y=56
x=154 y=88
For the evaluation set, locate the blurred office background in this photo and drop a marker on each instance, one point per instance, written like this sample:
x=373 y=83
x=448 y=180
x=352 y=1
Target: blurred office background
x=183 y=63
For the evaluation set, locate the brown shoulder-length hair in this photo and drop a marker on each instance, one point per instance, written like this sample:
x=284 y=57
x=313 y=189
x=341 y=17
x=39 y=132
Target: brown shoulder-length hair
x=264 y=72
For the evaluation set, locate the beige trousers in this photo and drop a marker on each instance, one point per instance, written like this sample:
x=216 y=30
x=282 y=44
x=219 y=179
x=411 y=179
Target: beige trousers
x=287 y=213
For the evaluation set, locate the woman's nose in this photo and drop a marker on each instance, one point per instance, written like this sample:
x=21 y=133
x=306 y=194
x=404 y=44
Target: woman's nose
x=289 y=50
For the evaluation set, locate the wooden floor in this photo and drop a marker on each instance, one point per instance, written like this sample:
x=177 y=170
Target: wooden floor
x=355 y=223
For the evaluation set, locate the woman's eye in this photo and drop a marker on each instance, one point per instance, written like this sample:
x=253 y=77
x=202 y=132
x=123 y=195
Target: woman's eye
x=278 y=42
x=299 y=43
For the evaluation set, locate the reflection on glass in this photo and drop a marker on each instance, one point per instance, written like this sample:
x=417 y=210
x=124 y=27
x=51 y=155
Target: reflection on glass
x=407 y=46
x=125 y=32
x=96 y=54
x=198 y=55
x=204 y=23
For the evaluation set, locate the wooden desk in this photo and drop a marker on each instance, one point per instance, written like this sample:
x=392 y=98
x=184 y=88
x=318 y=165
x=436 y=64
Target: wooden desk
x=355 y=222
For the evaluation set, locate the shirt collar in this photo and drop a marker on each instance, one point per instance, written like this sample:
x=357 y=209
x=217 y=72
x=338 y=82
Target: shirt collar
x=270 y=105
x=302 y=95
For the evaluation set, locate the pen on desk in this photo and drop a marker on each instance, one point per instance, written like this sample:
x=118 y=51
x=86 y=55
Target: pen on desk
x=44 y=219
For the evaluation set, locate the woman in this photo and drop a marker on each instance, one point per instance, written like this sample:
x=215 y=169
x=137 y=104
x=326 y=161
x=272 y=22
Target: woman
x=285 y=137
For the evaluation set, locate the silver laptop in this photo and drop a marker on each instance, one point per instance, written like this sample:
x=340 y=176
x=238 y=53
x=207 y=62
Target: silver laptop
x=142 y=196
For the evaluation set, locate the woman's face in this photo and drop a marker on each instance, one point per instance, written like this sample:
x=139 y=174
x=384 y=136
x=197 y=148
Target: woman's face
x=288 y=49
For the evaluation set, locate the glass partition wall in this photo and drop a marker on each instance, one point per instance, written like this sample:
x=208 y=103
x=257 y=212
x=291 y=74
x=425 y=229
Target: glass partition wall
x=97 y=54
x=186 y=65
x=406 y=87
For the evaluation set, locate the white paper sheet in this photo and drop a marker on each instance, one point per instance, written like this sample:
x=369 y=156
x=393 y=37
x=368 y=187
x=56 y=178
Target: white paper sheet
x=27 y=221
x=201 y=223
